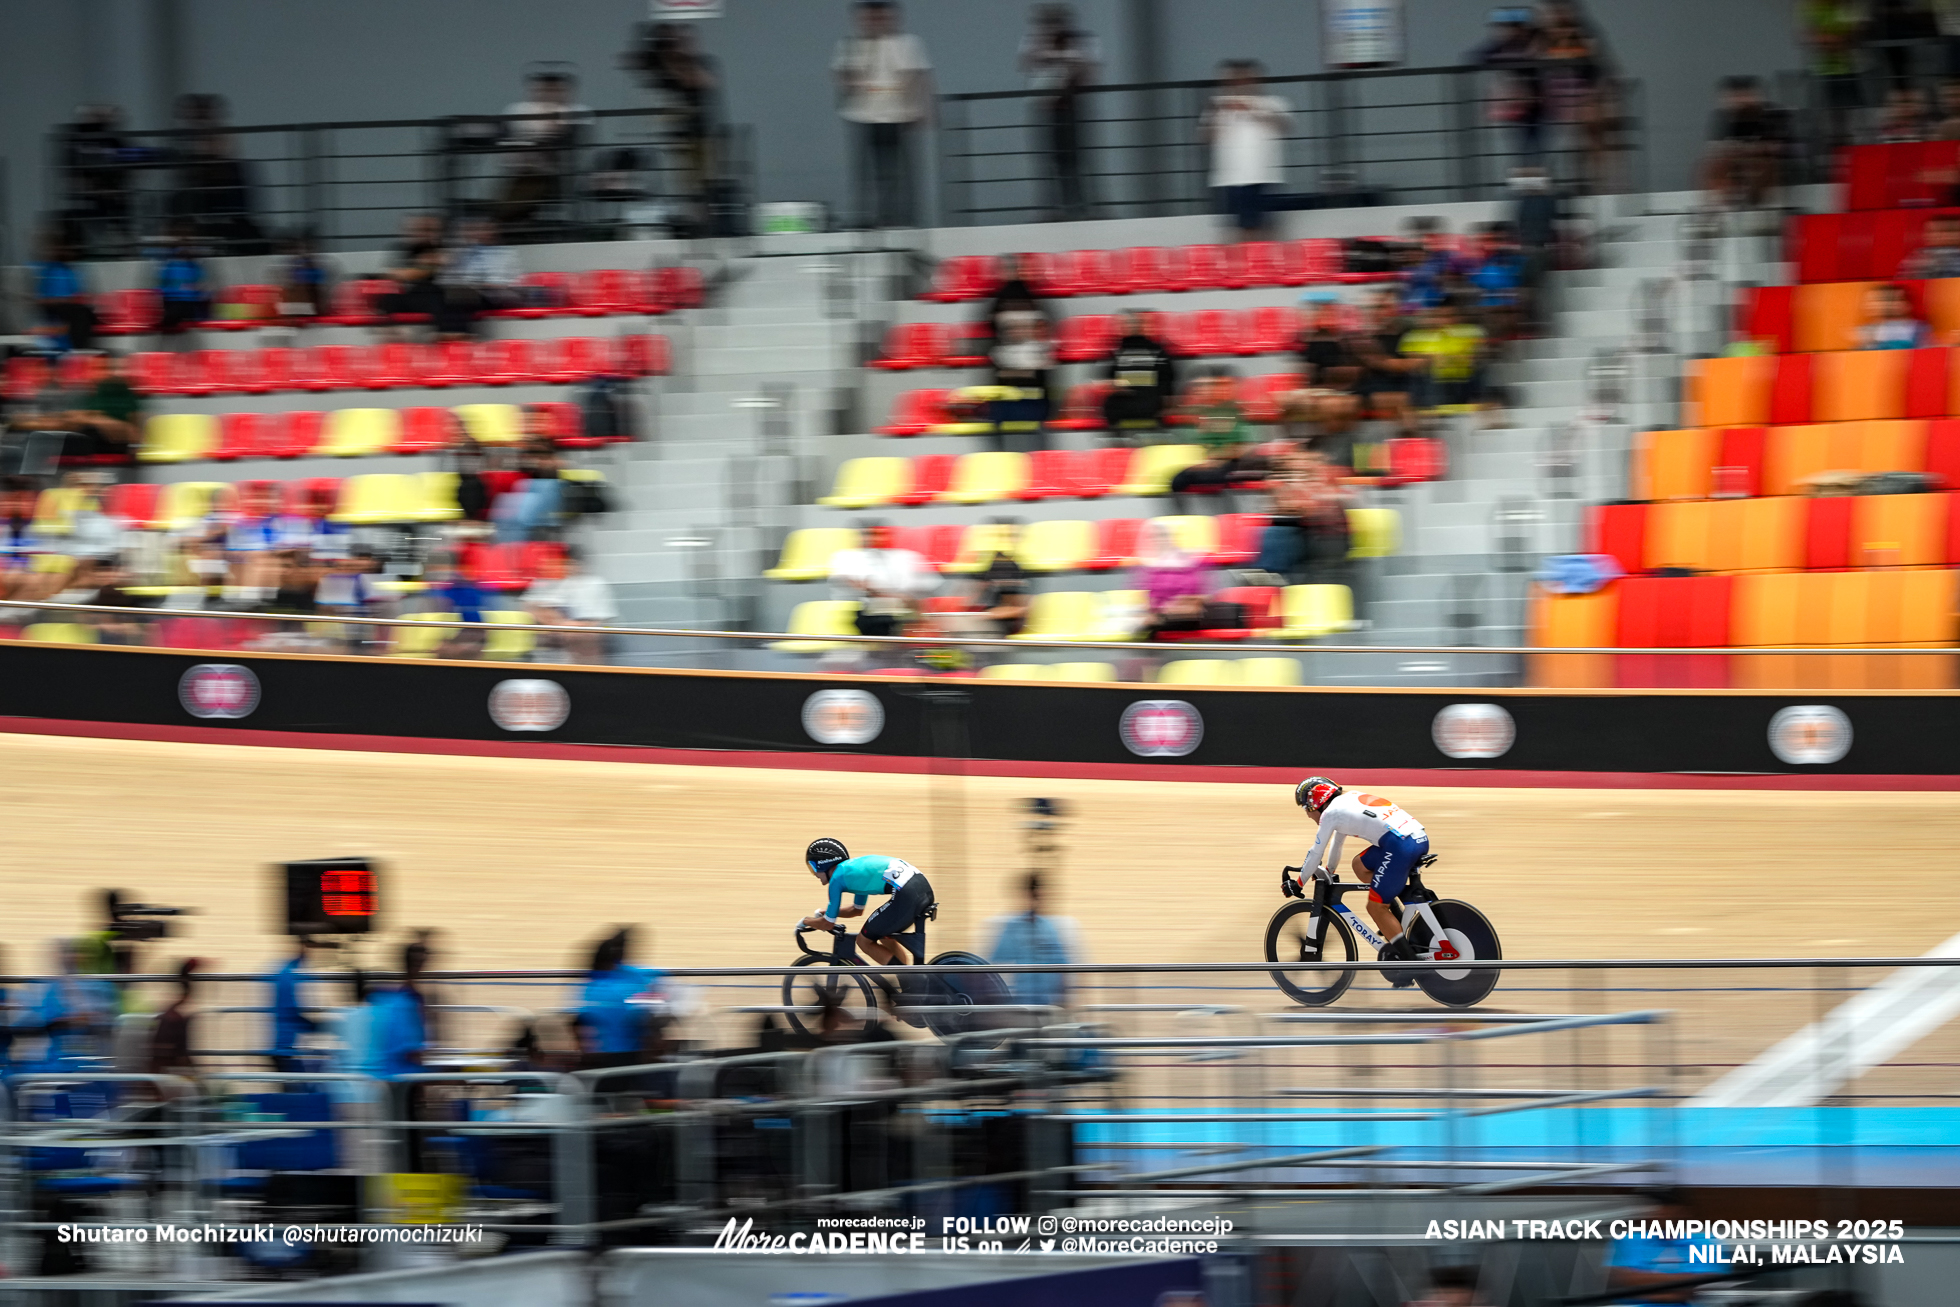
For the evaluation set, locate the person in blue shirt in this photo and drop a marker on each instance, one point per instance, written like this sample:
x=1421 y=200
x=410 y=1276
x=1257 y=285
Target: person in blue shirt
x=75 y=1010
x=289 y=1016
x=60 y=300
x=831 y=863
x=1649 y=1265
x=1030 y=938
x=181 y=286
x=620 y=1028
x=398 y=1030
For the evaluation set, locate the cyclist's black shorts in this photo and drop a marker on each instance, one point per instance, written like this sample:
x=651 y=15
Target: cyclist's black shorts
x=901 y=911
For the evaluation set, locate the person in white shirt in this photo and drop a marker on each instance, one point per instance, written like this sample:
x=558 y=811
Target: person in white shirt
x=566 y=595
x=887 y=582
x=1397 y=845
x=541 y=140
x=1059 y=60
x=1247 y=134
x=482 y=272
x=884 y=88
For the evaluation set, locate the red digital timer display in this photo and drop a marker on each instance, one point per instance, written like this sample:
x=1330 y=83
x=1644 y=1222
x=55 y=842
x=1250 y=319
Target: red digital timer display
x=347 y=891
x=331 y=896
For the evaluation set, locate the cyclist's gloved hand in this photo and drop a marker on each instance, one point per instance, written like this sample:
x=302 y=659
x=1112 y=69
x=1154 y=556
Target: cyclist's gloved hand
x=1289 y=885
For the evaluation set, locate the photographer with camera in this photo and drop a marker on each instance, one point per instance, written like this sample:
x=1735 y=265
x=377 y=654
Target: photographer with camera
x=112 y=950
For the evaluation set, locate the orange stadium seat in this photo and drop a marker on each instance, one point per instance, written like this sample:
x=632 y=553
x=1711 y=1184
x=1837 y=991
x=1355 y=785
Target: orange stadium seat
x=1940 y=304
x=1759 y=535
x=1674 y=464
x=1573 y=622
x=1735 y=392
x=1793 y=454
x=1827 y=315
x=1899 y=530
x=1678 y=534
x=1856 y=384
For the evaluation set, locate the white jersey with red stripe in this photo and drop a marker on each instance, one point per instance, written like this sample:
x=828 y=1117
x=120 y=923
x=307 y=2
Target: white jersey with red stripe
x=1367 y=817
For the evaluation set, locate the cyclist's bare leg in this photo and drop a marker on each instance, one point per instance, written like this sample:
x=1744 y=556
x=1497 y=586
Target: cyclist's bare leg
x=885 y=952
x=1380 y=913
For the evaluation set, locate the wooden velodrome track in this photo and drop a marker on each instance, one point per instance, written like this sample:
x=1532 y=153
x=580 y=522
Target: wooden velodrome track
x=520 y=862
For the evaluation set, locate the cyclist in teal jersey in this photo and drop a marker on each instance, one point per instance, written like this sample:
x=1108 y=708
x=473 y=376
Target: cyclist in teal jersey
x=830 y=862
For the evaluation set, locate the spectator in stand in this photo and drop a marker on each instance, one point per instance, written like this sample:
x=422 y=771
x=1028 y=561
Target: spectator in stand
x=1436 y=270
x=1060 y=59
x=1015 y=296
x=113 y=409
x=1746 y=146
x=1142 y=376
x=1030 y=937
x=305 y=280
x=1901 y=119
x=1574 y=69
x=1022 y=357
x=1177 y=584
x=1496 y=277
x=1222 y=429
x=1452 y=354
x=884 y=87
x=1890 y=322
x=542 y=134
x=1517 y=98
x=67 y=316
x=529 y=510
x=1000 y=594
x=1325 y=345
x=670 y=61
x=100 y=582
x=480 y=276
x=886 y=581
x=181 y=284
x=565 y=594
x=290 y=1019
x=1831 y=30
x=1246 y=130
x=170 y=1036
x=1940 y=255
x=1307 y=541
x=414 y=265
x=1386 y=373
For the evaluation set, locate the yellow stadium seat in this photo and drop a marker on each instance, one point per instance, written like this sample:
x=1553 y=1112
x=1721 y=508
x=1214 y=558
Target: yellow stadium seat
x=47 y=563
x=179 y=438
x=828 y=618
x=1154 y=466
x=1857 y=385
x=492 y=424
x=59 y=633
x=1059 y=546
x=419 y=641
x=508 y=646
x=1307 y=612
x=1017 y=672
x=360 y=432
x=1733 y=392
x=1198 y=671
x=55 y=509
x=438 y=497
x=1082 y=672
x=807 y=553
x=1674 y=464
x=1060 y=615
x=867 y=482
x=380 y=499
x=980 y=542
x=1194 y=533
x=1269 y=671
x=987 y=477
x=185 y=503
x=1572 y=622
x=1119 y=613
x=1898 y=530
x=1373 y=532
x=1827 y=314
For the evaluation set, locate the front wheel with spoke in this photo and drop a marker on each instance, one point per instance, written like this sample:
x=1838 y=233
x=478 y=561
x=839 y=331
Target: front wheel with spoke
x=1302 y=931
x=1468 y=937
x=828 y=982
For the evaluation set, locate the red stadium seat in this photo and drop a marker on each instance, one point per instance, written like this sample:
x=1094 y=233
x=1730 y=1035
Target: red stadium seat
x=133 y=503
x=294 y=434
x=396 y=367
x=187 y=373
x=79 y=371
x=1927 y=374
x=915 y=345
x=969 y=345
x=355 y=303
x=1738 y=468
x=964 y=277
x=1768 y=313
x=1102 y=470
x=544 y=295
x=1042 y=272
x=1827 y=532
x=679 y=287
x=1322 y=260
x=1082 y=410
x=454 y=363
x=1252 y=263
x=1790 y=391
x=424 y=431
x=508 y=363
x=151 y=372
x=268 y=371
x=1943 y=452
x=1260 y=602
x=568 y=360
x=302 y=496
x=1087 y=338
x=566 y=426
x=1259 y=396
x=1045 y=475
x=243 y=435
x=1116 y=542
x=129 y=312
x=916 y=413
x=1274 y=329
x=494 y=567
x=931 y=475
x=26 y=377
x=225 y=371
x=1200 y=267
x=601 y=293
x=641 y=355
x=1678 y=612
x=1416 y=458
x=1084 y=272
x=938 y=545
x=1238 y=538
x=1619 y=530
x=1208 y=333
x=1140 y=270
x=342 y=367
x=257 y=305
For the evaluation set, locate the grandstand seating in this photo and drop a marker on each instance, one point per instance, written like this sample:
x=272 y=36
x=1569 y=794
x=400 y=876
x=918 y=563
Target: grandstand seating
x=348 y=432
x=1315 y=261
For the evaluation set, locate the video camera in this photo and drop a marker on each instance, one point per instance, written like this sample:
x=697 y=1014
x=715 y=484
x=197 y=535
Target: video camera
x=137 y=923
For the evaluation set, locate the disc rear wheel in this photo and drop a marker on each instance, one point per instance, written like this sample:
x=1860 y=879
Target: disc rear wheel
x=1470 y=937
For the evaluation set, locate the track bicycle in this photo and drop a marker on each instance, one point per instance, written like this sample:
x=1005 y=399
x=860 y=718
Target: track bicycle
x=1319 y=927
x=827 y=984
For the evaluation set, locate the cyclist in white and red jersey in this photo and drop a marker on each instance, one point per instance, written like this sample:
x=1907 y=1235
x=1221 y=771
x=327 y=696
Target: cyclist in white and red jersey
x=1397 y=841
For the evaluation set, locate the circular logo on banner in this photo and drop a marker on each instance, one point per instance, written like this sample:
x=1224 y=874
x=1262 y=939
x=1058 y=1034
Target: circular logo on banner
x=220 y=690
x=1161 y=728
x=1473 y=730
x=529 y=705
x=1810 y=734
x=843 y=717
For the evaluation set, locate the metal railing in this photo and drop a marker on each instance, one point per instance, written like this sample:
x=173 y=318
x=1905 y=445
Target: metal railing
x=242 y=189
x=1401 y=135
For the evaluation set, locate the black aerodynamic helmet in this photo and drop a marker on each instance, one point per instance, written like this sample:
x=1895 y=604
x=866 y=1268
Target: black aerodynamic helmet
x=824 y=855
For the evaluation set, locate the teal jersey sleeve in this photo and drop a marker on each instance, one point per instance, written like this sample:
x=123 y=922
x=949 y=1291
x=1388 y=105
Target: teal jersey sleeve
x=860 y=877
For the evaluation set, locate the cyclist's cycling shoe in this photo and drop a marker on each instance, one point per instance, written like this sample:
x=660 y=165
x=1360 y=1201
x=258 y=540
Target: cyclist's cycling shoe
x=1397 y=950
x=1288 y=885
